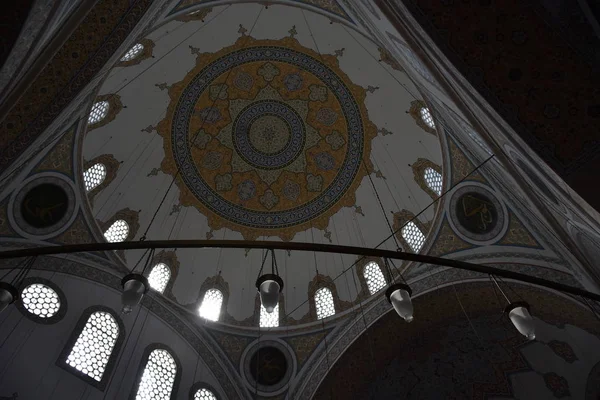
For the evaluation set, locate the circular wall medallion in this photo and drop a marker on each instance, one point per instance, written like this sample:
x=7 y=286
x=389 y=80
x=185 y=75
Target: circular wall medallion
x=268 y=366
x=476 y=214
x=44 y=206
x=267 y=135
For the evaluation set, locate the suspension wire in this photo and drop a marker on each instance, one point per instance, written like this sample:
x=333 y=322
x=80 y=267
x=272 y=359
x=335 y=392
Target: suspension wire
x=467 y=317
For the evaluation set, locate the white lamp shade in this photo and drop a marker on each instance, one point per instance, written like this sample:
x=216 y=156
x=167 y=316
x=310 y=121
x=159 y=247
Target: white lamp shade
x=522 y=320
x=8 y=294
x=269 y=294
x=400 y=299
x=134 y=288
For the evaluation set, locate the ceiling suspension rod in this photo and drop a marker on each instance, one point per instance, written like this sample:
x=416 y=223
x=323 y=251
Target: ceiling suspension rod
x=297 y=246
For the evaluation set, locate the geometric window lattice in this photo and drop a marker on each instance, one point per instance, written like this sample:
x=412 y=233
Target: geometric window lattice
x=99 y=111
x=205 y=394
x=433 y=179
x=40 y=300
x=413 y=236
x=269 y=320
x=374 y=277
x=159 y=277
x=133 y=52
x=94 y=345
x=211 y=304
x=426 y=117
x=158 y=377
x=324 y=303
x=117 y=232
x=94 y=176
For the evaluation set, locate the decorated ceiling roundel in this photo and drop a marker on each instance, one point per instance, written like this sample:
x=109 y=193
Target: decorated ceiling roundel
x=269 y=138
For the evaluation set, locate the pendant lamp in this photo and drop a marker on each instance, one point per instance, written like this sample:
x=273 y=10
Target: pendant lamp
x=398 y=295
x=518 y=312
x=8 y=295
x=134 y=288
x=269 y=285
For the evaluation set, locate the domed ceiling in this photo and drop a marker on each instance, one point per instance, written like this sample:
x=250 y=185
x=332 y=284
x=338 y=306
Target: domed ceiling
x=269 y=123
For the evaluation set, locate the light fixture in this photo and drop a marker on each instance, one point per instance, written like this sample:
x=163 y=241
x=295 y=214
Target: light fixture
x=8 y=295
x=398 y=295
x=518 y=312
x=269 y=285
x=134 y=288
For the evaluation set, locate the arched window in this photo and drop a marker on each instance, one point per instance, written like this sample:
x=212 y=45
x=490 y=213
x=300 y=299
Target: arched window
x=159 y=277
x=324 y=303
x=269 y=320
x=99 y=112
x=433 y=179
x=94 y=176
x=211 y=304
x=204 y=394
x=94 y=345
x=374 y=277
x=158 y=378
x=117 y=232
x=413 y=236
x=426 y=117
x=40 y=300
x=133 y=52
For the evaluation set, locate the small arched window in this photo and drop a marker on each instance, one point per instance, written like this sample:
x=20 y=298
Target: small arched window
x=94 y=345
x=324 y=303
x=413 y=236
x=159 y=277
x=98 y=112
x=133 y=52
x=204 y=394
x=158 y=378
x=433 y=179
x=269 y=320
x=117 y=232
x=426 y=117
x=40 y=300
x=94 y=176
x=374 y=277
x=211 y=304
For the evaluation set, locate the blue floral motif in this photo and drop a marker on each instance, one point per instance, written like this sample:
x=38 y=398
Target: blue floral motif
x=293 y=82
x=324 y=161
x=246 y=190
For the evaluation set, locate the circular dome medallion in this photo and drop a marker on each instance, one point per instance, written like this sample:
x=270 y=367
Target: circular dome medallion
x=268 y=366
x=268 y=137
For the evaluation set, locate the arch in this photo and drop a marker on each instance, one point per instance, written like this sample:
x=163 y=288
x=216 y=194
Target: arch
x=269 y=320
x=374 y=277
x=140 y=51
x=203 y=391
x=324 y=304
x=211 y=305
x=118 y=231
x=101 y=326
x=159 y=277
x=48 y=308
x=111 y=166
x=169 y=258
x=423 y=117
x=217 y=282
x=104 y=110
x=410 y=231
x=158 y=375
x=428 y=176
x=127 y=215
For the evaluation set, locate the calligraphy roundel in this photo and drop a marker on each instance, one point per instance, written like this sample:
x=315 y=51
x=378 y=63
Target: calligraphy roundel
x=267 y=138
x=476 y=213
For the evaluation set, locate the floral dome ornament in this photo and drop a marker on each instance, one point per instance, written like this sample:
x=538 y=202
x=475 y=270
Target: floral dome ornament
x=269 y=286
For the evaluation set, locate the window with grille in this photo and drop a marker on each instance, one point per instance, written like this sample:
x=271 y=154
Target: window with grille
x=374 y=277
x=99 y=112
x=204 y=394
x=269 y=320
x=94 y=346
x=413 y=236
x=211 y=304
x=433 y=179
x=94 y=176
x=40 y=300
x=426 y=117
x=324 y=303
x=133 y=52
x=117 y=232
x=159 y=277
x=158 y=377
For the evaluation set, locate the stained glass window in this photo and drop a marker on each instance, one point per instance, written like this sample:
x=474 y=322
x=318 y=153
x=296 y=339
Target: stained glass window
x=324 y=303
x=269 y=320
x=40 y=300
x=433 y=179
x=211 y=304
x=426 y=117
x=133 y=52
x=158 y=376
x=204 y=394
x=374 y=277
x=159 y=277
x=117 y=232
x=94 y=345
x=94 y=176
x=99 y=112
x=413 y=236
